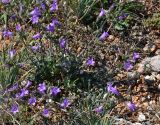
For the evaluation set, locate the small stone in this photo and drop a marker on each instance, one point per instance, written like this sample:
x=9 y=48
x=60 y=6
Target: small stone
x=158 y=77
x=149 y=47
x=149 y=79
x=111 y=37
x=133 y=74
x=157 y=52
x=136 y=123
x=141 y=117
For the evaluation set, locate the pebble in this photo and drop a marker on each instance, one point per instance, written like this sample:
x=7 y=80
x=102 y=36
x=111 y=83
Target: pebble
x=149 y=79
x=158 y=77
x=149 y=47
x=141 y=117
x=157 y=52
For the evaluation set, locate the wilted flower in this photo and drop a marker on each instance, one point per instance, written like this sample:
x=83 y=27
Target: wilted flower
x=32 y=101
x=12 y=53
x=90 y=61
x=42 y=87
x=102 y=13
x=7 y=33
x=55 y=91
x=128 y=66
x=99 y=109
x=5 y=1
x=15 y=108
x=65 y=103
x=18 y=27
x=14 y=87
x=131 y=106
x=45 y=112
x=112 y=6
x=103 y=36
x=112 y=89
x=62 y=43
x=136 y=56
x=37 y=36
x=54 y=6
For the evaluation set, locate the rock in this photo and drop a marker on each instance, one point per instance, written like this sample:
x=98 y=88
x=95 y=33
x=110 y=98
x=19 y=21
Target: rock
x=157 y=43
x=133 y=74
x=149 y=79
x=157 y=52
x=149 y=64
x=136 y=123
x=149 y=47
x=158 y=77
x=141 y=117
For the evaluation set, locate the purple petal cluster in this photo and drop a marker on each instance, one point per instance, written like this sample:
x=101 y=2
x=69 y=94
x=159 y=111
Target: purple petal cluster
x=62 y=43
x=55 y=91
x=32 y=101
x=103 y=36
x=37 y=36
x=54 y=6
x=112 y=89
x=7 y=33
x=12 y=53
x=128 y=66
x=5 y=1
x=136 y=56
x=35 y=15
x=65 y=103
x=131 y=106
x=42 y=87
x=18 y=27
x=45 y=113
x=102 y=13
x=15 y=108
x=90 y=61
x=99 y=109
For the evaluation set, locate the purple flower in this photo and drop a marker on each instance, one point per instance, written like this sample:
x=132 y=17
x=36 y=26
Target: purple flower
x=14 y=87
x=127 y=66
x=14 y=108
x=136 y=56
x=35 y=48
x=35 y=12
x=37 y=36
x=122 y=17
x=62 y=43
x=43 y=6
x=28 y=84
x=90 y=61
x=12 y=53
x=99 y=109
x=23 y=93
x=7 y=33
x=5 y=1
x=131 y=106
x=45 y=113
x=102 y=13
x=112 y=6
x=54 y=6
x=103 y=36
x=32 y=101
x=51 y=26
x=18 y=27
x=34 y=19
x=42 y=87
x=112 y=89
x=55 y=91
x=65 y=103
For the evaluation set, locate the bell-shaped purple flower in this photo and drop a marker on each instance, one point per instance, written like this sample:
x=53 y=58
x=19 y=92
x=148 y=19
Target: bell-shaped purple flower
x=12 y=53
x=65 y=103
x=112 y=89
x=103 y=36
x=7 y=33
x=55 y=91
x=32 y=101
x=37 y=36
x=18 y=27
x=15 y=108
x=34 y=19
x=5 y=1
x=62 y=43
x=136 y=56
x=35 y=12
x=54 y=6
x=102 y=13
x=127 y=66
x=28 y=84
x=99 y=109
x=90 y=61
x=42 y=87
x=131 y=106
x=45 y=113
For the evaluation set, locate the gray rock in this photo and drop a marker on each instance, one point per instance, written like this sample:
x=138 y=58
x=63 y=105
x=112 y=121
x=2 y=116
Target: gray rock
x=141 y=117
x=150 y=64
